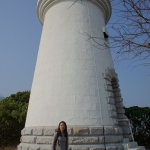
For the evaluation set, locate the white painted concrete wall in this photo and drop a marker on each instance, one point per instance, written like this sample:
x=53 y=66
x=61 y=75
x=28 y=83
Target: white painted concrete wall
x=68 y=83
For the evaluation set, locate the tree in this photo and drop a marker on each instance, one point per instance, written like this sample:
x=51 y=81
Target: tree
x=140 y=120
x=132 y=31
x=13 y=111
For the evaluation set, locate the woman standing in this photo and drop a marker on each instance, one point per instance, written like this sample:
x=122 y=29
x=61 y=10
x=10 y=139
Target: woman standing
x=60 y=138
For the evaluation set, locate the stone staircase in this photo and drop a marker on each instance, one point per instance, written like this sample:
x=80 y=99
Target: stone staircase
x=131 y=145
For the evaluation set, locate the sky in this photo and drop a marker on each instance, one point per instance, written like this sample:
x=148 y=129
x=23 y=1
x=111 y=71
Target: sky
x=20 y=32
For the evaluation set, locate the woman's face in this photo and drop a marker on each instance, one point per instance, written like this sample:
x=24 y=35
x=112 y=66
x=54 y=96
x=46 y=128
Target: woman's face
x=62 y=127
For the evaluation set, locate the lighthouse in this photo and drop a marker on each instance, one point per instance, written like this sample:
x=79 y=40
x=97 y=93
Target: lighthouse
x=75 y=80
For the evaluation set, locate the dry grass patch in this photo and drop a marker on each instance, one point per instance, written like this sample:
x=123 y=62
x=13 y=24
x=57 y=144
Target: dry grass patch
x=8 y=148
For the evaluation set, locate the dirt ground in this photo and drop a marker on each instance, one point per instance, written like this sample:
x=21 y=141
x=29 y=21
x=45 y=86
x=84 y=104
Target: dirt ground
x=8 y=148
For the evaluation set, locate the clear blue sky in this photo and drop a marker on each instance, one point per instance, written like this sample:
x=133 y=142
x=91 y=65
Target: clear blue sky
x=20 y=33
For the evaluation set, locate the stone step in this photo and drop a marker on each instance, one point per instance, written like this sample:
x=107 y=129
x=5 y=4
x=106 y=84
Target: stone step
x=142 y=147
x=125 y=140
x=137 y=148
x=130 y=145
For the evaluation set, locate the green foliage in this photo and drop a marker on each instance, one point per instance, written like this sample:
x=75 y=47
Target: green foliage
x=13 y=111
x=140 y=121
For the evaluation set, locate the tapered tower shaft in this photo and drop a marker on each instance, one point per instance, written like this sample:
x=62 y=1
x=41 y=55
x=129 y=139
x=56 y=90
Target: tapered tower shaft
x=68 y=83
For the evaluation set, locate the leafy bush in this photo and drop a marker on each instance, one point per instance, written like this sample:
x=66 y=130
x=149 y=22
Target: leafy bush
x=13 y=111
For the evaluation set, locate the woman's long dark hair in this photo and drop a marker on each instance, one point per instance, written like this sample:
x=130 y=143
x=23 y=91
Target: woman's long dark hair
x=65 y=131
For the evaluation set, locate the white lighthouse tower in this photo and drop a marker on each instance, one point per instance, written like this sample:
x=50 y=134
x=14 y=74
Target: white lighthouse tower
x=74 y=80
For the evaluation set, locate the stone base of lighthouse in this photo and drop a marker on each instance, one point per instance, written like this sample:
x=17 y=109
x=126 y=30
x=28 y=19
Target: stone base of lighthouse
x=80 y=138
